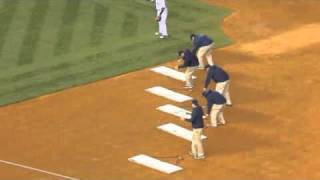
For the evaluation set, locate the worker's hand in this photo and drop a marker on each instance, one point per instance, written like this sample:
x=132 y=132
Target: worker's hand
x=176 y=67
x=204 y=89
x=182 y=118
x=205 y=116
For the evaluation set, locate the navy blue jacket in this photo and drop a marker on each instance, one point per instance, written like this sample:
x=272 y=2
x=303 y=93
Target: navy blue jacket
x=196 y=118
x=217 y=74
x=190 y=60
x=200 y=41
x=214 y=97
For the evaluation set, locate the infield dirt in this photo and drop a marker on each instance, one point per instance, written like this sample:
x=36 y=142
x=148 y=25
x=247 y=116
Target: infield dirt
x=272 y=131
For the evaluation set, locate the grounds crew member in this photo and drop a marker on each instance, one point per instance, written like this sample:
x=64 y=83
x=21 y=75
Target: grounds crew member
x=197 y=129
x=161 y=18
x=190 y=62
x=202 y=47
x=222 y=80
x=216 y=103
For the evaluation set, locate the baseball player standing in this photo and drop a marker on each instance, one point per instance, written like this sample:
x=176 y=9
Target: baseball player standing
x=190 y=62
x=216 y=103
x=197 y=130
x=161 y=18
x=202 y=47
x=221 y=78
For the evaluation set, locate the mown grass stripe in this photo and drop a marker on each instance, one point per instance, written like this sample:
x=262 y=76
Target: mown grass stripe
x=83 y=26
x=32 y=36
x=85 y=64
x=16 y=34
x=48 y=36
x=130 y=25
x=6 y=76
x=130 y=49
x=83 y=75
x=101 y=14
x=65 y=34
x=6 y=15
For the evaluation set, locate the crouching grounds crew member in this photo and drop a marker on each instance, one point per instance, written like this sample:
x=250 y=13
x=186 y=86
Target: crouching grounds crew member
x=190 y=62
x=216 y=103
x=197 y=129
x=202 y=47
x=222 y=80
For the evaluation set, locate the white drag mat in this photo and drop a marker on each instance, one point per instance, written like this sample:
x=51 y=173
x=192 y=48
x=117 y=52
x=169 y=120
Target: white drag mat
x=174 y=110
x=169 y=94
x=170 y=73
x=155 y=164
x=178 y=131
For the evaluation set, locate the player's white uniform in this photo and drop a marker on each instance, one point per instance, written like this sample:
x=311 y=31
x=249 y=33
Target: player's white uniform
x=161 y=4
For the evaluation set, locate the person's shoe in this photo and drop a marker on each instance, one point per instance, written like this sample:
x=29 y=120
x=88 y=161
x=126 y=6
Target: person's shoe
x=210 y=125
x=188 y=86
x=229 y=105
x=200 y=157
x=163 y=37
x=201 y=67
x=190 y=153
x=221 y=123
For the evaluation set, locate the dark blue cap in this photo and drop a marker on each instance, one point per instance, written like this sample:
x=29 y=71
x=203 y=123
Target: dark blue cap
x=195 y=102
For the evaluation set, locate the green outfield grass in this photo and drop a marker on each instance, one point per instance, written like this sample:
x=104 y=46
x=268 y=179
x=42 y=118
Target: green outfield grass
x=50 y=45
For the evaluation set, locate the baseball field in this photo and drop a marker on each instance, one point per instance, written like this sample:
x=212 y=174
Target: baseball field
x=58 y=118
x=51 y=45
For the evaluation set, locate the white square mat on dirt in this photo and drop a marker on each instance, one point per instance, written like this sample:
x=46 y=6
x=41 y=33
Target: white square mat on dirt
x=170 y=73
x=155 y=164
x=174 y=110
x=178 y=131
x=169 y=94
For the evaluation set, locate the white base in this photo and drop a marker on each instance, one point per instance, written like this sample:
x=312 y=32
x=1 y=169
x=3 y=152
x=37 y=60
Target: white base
x=174 y=110
x=169 y=94
x=178 y=131
x=170 y=73
x=155 y=164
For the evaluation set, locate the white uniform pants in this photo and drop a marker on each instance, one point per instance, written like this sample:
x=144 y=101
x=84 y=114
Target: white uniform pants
x=163 y=22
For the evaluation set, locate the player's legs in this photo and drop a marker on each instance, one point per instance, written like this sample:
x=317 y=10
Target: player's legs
x=188 y=74
x=214 y=115
x=163 y=24
x=159 y=29
x=208 y=54
x=227 y=93
x=197 y=147
x=200 y=55
x=220 y=116
x=220 y=87
x=223 y=88
x=159 y=24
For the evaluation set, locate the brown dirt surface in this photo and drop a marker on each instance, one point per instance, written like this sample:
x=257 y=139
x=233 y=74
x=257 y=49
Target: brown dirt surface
x=272 y=132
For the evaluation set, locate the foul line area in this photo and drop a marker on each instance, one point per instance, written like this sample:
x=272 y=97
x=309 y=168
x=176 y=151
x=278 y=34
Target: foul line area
x=37 y=170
